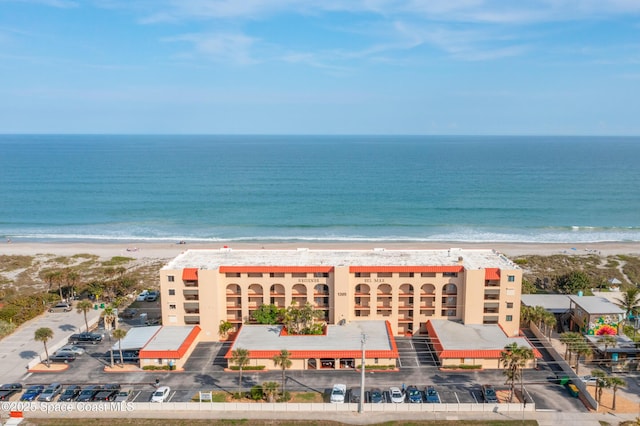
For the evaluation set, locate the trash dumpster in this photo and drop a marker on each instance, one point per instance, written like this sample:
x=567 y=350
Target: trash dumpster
x=564 y=381
x=573 y=390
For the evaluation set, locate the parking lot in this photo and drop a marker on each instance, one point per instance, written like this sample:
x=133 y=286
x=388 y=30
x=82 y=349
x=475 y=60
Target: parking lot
x=205 y=372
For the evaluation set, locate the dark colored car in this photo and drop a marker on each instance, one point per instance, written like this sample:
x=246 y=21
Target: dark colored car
x=489 y=394
x=9 y=389
x=105 y=395
x=432 y=395
x=414 y=395
x=85 y=337
x=65 y=357
x=88 y=393
x=376 y=396
x=70 y=393
x=354 y=395
x=127 y=356
x=32 y=393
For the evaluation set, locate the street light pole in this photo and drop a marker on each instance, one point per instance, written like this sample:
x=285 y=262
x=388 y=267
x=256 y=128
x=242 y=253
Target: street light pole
x=363 y=340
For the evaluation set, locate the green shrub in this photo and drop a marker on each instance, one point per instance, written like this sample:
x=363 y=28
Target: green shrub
x=462 y=367
x=256 y=393
x=378 y=367
x=284 y=398
x=156 y=367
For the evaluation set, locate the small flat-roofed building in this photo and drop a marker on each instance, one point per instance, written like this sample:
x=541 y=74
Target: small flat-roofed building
x=594 y=315
x=136 y=338
x=405 y=287
x=339 y=347
x=555 y=303
x=170 y=346
x=472 y=344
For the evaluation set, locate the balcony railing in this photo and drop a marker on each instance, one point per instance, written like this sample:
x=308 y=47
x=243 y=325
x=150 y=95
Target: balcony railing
x=191 y=297
x=191 y=283
x=192 y=319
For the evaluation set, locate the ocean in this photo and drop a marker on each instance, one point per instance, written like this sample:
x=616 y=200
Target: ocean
x=319 y=188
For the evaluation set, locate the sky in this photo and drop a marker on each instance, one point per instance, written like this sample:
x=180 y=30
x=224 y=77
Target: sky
x=444 y=67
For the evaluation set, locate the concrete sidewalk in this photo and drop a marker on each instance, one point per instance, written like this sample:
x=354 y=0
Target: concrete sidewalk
x=19 y=349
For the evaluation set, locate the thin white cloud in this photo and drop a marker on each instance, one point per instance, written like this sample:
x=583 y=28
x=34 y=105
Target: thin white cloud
x=220 y=47
x=62 y=4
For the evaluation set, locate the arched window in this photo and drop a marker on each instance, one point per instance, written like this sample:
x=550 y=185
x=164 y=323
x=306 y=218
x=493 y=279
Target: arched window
x=428 y=289
x=406 y=290
x=234 y=290
x=384 y=290
x=450 y=289
x=363 y=289
x=255 y=290
x=277 y=290
x=321 y=289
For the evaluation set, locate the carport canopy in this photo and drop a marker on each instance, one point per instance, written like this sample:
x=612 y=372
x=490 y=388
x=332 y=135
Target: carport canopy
x=137 y=338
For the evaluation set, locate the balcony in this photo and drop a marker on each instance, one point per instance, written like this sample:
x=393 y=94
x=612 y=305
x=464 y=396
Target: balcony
x=192 y=319
x=405 y=307
x=191 y=297
x=490 y=319
x=191 y=283
x=384 y=312
x=492 y=283
x=192 y=308
x=491 y=297
x=490 y=310
x=428 y=312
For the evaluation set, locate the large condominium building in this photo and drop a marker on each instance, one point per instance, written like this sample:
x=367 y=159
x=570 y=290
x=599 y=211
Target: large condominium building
x=407 y=288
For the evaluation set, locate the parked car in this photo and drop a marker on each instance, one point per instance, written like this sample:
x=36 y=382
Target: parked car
x=8 y=390
x=142 y=296
x=354 y=395
x=338 y=393
x=61 y=307
x=589 y=380
x=70 y=393
x=396 y=395
x=105 y=395
x=65 y=357
x=76 y=350
x=152 y=296
x=414 y=395
x=376 y=396
x=50 y=392
x=161 y=394
x=85 y=337
x=489 y=394
x=431 y=395
x=32 y=393
x=88 y=393
x=123 y=395
x=131 y=313
x=127 y=356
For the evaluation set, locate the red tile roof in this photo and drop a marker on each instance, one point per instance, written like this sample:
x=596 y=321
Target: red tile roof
x=274 y=269
x=450 y=268
x=492 y=274
x=190 y=274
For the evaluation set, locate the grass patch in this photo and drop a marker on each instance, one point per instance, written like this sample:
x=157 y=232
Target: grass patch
x=117 y=260
x=10 y=263
x=308 y=397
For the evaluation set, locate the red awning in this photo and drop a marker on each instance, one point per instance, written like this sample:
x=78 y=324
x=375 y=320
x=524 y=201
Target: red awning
x=190 y=274
x=492 y=274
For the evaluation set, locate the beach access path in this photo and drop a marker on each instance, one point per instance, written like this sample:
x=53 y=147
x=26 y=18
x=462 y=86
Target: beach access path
x=19 y=351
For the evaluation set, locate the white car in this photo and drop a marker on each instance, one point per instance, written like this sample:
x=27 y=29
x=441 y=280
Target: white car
x=161 y=394
x=76 y=350
x=142 y=296
x=396 y=395
x=589 y=380
x=338 y=393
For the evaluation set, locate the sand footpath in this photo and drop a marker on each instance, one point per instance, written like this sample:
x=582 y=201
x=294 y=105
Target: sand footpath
x=141 y=250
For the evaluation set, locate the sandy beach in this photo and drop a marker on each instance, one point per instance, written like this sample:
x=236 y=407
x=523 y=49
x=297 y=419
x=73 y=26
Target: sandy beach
x=142 y=250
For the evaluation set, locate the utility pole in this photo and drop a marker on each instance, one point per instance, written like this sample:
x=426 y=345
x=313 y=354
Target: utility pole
x=363 y=340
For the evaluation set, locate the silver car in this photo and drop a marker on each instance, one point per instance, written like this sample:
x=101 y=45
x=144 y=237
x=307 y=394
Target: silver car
x=50 y=392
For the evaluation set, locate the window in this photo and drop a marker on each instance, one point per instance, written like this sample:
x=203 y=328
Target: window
x=385 y=274
x=173 y=318
x=427 y=274
x=172 y=306
x=232 y=275
x=511 y=278
x=511 y=292
x=299 y=275
x=362 y=275
x=509 y=317
x=170 y=278
x=276 y=274
x=509 y=305
x=450 y=274
x=172 y=292
x=254 y=275
x=406 y=274
x=321 y=274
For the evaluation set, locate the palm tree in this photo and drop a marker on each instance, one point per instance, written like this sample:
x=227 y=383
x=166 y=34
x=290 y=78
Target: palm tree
x=515 y=358
x=630 y=302
x=270 y=389
x=44 y=334
x=550 y=322
x=119 y=334
x=84 y=306
x=283 y=360
x=600 y=377
x=109 y=318
x=615 y=382
x=608 y=341
x=240 y=357
x=569 y=338
x=54 y=277
x=581 y=349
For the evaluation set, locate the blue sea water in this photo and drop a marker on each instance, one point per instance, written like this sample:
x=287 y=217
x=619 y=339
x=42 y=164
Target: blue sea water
x=319 y=188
